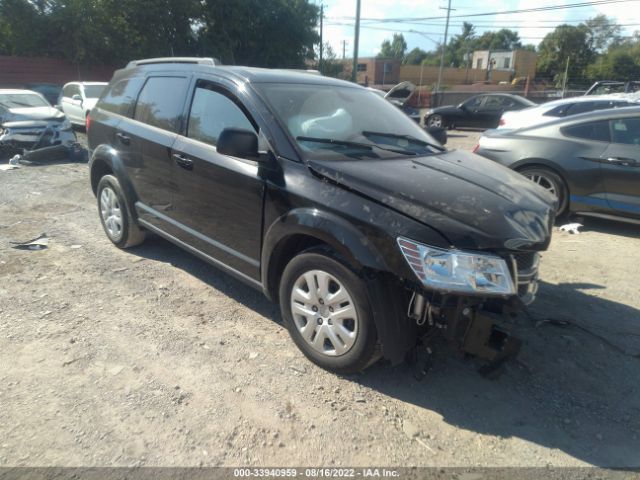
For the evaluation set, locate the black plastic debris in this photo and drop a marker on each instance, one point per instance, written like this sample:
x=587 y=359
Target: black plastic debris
x=39 y=243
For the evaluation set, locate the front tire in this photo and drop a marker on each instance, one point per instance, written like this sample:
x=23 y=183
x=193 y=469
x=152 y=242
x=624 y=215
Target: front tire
x=326 y=310
x=115 y=214
x=550 y=181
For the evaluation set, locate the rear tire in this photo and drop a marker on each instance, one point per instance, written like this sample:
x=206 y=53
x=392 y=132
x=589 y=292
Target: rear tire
x=326 y=309
x=550 y=181
x=115 y=214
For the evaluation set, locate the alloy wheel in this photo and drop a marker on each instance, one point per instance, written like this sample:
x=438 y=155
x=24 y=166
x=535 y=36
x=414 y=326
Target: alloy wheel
x=544 y=181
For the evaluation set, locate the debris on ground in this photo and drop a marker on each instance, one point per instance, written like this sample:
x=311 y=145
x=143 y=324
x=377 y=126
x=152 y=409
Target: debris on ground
x=39 y=243
x=571 y=228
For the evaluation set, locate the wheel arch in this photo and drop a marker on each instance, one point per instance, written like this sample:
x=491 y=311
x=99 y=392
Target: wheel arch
x=105 y=161
x=548 y=165
x=304 y=228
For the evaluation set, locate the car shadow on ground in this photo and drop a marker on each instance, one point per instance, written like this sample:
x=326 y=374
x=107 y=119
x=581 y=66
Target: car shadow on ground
x=601 y=225
x=569 y=389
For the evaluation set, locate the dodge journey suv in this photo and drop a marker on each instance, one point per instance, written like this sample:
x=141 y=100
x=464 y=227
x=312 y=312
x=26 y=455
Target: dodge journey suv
x=368 y=232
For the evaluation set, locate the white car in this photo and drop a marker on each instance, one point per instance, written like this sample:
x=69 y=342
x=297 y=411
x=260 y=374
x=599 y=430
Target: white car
x=565 y=107
x=78 y=98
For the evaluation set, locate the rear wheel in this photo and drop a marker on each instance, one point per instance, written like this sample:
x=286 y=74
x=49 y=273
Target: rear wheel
x=115 y=214
x=435 y=121
x=551 y=182
x=326 y=310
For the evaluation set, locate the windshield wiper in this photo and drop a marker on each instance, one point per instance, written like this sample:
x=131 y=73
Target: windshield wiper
x=346 y=143
x=408 y=138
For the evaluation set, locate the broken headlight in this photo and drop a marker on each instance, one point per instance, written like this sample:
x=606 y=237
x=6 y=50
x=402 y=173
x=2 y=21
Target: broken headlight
x=458 y=271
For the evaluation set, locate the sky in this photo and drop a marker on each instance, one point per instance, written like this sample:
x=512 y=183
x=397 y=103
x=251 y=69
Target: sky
x=532 y=26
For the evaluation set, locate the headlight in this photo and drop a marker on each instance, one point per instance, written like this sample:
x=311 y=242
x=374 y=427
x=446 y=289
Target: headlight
x=457 y=271
x=65 y=125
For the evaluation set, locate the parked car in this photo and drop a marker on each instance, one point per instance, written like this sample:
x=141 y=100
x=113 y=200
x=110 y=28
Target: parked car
x=326 y=198
x=49 y=91
x=399 y=95
x=590 y=162
x=605 y=87
x=28 y=123
x=566 y=107
x=78 y=98
x=479 y=111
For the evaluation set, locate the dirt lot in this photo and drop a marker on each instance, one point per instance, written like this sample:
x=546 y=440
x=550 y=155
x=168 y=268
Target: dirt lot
x=152 y=357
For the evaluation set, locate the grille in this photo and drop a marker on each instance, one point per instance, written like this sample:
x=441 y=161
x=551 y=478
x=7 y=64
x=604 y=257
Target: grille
x=525 y=260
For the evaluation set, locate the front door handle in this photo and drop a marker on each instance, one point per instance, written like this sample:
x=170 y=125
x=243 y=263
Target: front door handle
x=183 y=161
x=123 y=138
x=624 y=162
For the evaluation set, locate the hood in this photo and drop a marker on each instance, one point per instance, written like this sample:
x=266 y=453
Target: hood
x=33 y=113
x=399 y=94
x=474 y=202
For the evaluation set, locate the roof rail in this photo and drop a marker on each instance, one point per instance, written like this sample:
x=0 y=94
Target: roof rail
x=196 y=60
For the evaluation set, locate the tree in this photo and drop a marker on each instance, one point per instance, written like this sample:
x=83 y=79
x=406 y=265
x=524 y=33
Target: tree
x=330 y=65
x=601 y=33
x=565 y=42
x=503 y=39
x=462 y=45
x=415 y=56
x=395 y=48
x=277 y=33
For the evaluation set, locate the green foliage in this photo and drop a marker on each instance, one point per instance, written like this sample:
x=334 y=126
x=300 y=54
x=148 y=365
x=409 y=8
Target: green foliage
x=395 y=48
x=565 y=42
x=276 y=33
x=415 y=56
x=503 y=39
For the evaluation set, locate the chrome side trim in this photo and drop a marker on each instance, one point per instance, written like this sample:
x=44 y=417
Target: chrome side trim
x=198 y=235
x=217 y=263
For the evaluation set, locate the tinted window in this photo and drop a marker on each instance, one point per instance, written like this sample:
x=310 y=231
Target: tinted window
x=559 y=111
x=580 y=107
x=626 y=130
x=474 y=102
x=160 y=102
x=496 y=102
x=598 y=131
x=212 y=112
x=93 y=91
x=121 y=96
x=71 y=90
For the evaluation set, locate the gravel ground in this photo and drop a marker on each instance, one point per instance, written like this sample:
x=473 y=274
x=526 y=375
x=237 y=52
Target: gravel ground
x=152 y=357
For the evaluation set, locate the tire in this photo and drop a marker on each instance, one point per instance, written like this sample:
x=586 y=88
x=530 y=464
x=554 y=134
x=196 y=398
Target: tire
x=552 y=182
x=435 y=120
x=342 y=336
x=115 y=214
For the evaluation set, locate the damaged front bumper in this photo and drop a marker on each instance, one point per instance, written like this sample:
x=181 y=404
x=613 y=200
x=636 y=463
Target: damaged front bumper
x=37 y=140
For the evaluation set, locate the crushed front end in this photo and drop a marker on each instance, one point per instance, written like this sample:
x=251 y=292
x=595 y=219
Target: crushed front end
x=37 y=140
x=469 y=298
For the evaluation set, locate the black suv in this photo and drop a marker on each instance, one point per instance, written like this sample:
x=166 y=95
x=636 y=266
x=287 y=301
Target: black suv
x=326 y=197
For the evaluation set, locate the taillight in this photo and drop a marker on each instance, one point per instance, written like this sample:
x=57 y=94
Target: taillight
x=476 y=148
x=87 y=123
x=502 y=122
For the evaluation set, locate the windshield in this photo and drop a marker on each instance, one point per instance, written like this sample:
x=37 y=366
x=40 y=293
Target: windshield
x=22 y=100
x=338 y=123
x=93 y=91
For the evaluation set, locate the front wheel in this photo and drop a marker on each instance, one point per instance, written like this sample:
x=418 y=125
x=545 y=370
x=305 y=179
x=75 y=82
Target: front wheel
x=551 y=182
x=326 y=310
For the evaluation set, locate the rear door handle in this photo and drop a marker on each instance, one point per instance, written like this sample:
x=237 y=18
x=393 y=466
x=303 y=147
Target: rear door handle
x=625 y=162
x=183 y=161
x=123 y=138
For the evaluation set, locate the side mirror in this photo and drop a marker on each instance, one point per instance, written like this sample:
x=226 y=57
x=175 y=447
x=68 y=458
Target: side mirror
x=237 y=142
x=462 y=106
x=439 y=133
x=77 y=98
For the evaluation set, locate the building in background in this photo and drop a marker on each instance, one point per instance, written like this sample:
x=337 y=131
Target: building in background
x=375 y=71
x=521 y=63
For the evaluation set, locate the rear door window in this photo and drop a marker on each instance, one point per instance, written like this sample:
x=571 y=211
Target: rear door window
x=626 y=131
x=161 y=102
x=120 y=97
x=581 y=107
x=211 y=112
x=597 y=131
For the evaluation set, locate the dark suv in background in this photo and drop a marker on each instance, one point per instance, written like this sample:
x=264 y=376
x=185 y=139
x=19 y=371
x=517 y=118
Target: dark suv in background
x=325 y=197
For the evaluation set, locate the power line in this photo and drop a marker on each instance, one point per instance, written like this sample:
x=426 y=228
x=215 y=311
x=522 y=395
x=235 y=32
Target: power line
x=484 y=14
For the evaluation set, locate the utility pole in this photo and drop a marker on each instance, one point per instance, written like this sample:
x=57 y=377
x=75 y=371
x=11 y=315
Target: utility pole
x=354 y=71
x=566 y=74
x=321 y=46
x=344 y=49
x=444 y=47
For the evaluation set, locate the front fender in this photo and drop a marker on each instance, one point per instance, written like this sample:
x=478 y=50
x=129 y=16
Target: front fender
x=326 y=227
